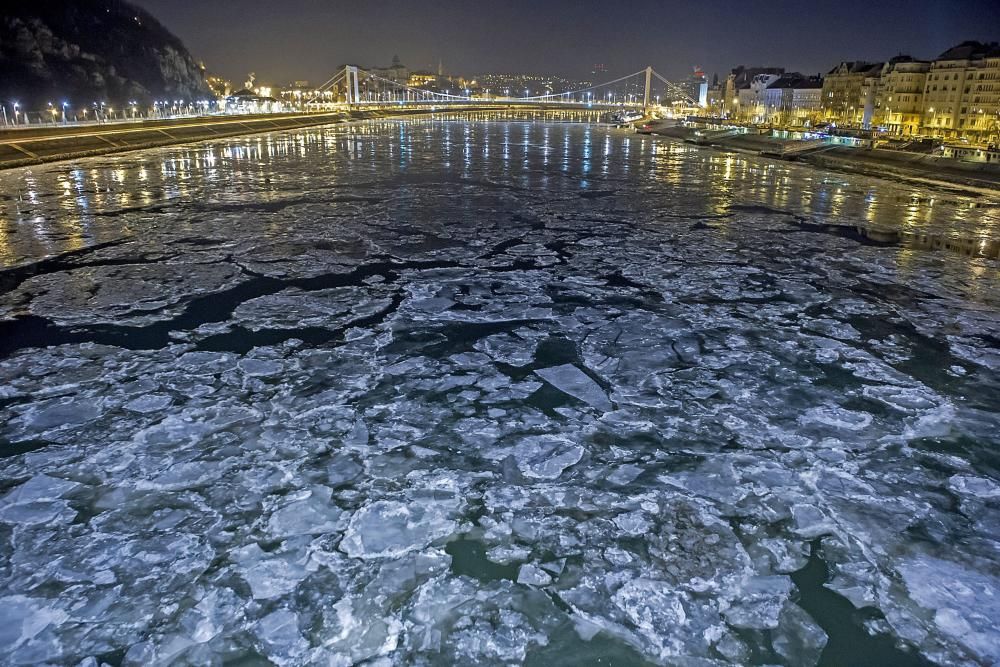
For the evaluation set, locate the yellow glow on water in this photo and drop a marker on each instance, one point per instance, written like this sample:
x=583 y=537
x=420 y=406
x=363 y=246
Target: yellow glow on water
x=62 y=207
x=8 y=256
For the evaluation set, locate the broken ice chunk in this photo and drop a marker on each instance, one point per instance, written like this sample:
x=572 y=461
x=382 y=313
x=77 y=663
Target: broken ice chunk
x=37 y=501
x=797 y=638
x=23 y=618
x=389 y=529
x=532 y=575
x=760 y=604
x=624 y=474
x=58 y=415
x=508 y=349
x=979 y=487
x=260 y=367
x=39 y=487
x=963 y=600
x=507 y=554
x=569 y=379
x=312 y=515
x=273 y=578
x=837 y=417
x=149 y=403
x=546 y=456
x=279 y=634
x=810 y=521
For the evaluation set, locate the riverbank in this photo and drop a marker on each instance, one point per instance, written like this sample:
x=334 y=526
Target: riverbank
x=931 y=170
x=31 y=146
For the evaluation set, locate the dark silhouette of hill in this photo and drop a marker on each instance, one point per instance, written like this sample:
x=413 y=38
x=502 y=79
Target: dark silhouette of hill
x=85 y=51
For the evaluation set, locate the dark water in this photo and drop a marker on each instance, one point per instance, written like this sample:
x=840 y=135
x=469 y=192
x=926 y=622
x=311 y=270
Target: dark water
x=494 y=391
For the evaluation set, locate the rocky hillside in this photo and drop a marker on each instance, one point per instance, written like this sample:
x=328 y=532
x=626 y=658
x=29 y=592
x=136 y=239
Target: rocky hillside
x=91 y=50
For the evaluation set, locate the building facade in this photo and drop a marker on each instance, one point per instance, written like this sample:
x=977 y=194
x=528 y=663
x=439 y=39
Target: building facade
x=737 y=93
x=899 y=100
x=849 y=93
x=753 y=98
x=793 y=99
x=962 y=94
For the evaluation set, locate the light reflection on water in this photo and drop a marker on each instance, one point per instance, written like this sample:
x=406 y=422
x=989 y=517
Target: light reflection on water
x=58 y=208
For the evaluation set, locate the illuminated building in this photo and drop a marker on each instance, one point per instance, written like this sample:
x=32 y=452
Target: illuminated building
x=793 y=99
x=849 y=93
x=248 y=101
x=751 y=97
x=422 y=78
x=737 y=88
x=962 y=93
x=899 y=101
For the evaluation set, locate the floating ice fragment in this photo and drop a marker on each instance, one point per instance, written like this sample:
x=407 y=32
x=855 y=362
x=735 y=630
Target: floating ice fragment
x=358 y=631
x=149 y=403
x=964 y=603
x=760 y=603
x=41 y=512
x=508 y=349
x=571 y=380
x=797 y=638
x=23 y=618
x=657 y=609
x=389 y=529
x=632 y=523
x=40 y=487
x=838 y=417
x=273 y=577
x=555 y=567
x=505 y=554
x=57 y=415
x=533 y=575
x=624 y=474
x=810 y=521
x=312 y=515
x=979 y=487
x=279 y=634
x=545 y=456
x=260 y=367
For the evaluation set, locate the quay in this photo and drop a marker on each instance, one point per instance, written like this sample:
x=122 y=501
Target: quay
x=34 y=145
x=918 y=168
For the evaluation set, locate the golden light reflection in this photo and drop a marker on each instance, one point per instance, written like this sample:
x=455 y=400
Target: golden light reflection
x=8 y=256
x=59 y=209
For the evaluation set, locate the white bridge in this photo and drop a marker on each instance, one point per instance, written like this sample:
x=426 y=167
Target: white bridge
x=366 y=89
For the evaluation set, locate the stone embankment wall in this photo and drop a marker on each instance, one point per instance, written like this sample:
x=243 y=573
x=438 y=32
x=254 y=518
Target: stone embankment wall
x=29 y=146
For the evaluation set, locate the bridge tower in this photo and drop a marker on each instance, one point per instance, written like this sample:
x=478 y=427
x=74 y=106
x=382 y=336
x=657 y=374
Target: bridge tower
x=351 y=84
x=649 y=81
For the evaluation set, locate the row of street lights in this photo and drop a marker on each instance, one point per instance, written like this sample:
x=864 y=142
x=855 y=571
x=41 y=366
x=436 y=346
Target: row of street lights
x=12 y=115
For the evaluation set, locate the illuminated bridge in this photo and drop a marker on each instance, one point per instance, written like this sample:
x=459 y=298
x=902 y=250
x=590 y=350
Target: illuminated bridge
x=362 y=88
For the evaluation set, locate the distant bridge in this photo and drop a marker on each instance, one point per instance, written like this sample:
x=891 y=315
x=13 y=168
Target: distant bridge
x=380 y=91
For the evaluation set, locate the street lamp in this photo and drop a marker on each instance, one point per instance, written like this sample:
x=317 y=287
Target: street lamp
x=64 y=105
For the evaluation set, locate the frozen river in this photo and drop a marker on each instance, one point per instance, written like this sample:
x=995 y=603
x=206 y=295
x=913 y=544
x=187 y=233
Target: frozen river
x=455 y=392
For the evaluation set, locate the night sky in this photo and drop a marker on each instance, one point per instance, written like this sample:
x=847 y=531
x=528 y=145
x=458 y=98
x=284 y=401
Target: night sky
x=283 y=40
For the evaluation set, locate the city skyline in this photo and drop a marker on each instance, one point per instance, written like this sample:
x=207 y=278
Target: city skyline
x=305 y=39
